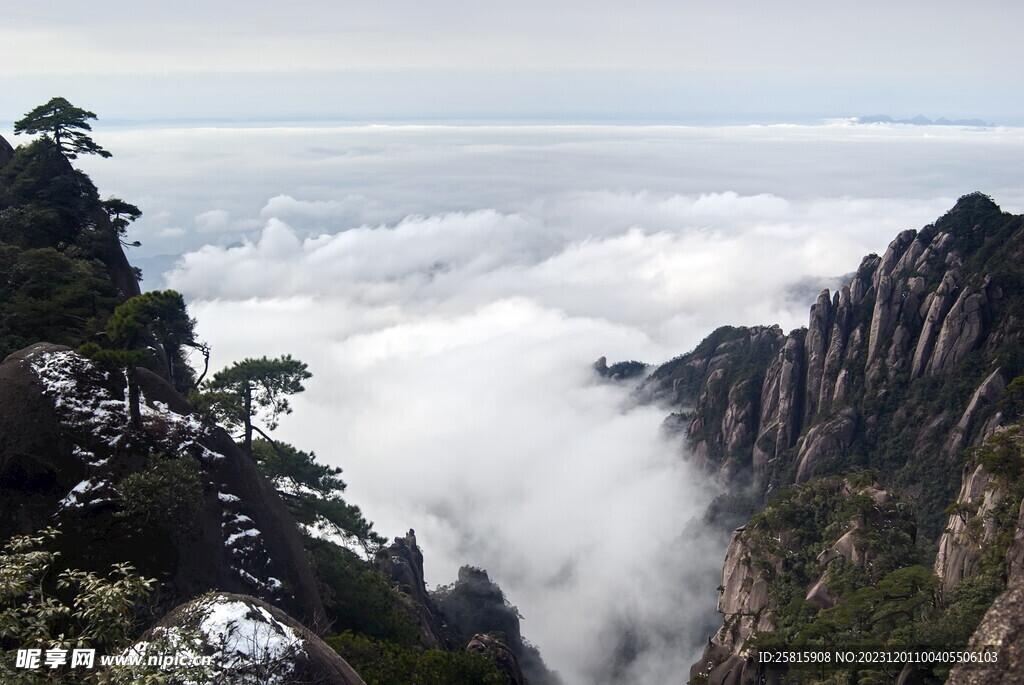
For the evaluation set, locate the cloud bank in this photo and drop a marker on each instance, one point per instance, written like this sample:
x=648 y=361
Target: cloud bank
x=219 y=185
x=452 y=356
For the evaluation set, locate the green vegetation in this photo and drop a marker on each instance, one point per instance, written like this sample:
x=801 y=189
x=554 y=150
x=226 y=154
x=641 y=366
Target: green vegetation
x=42 y=607
x=358 y=597
x=56 y=241
x=255 y=388
x=63 y=124
x=50 y=295
x=121 y=214
x=1002 y=455
x=312 y=492
x=162 y=497
x=884 y=596
x=159 y=316
x=383 y=663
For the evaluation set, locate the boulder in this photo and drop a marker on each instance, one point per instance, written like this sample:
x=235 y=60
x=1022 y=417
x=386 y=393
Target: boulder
x=245 y=640
x=492 y=647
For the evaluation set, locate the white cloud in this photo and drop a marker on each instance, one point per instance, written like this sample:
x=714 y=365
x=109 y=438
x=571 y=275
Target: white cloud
x=212 y=221
x=452 y=355
x=485 y=431
x=579 y=179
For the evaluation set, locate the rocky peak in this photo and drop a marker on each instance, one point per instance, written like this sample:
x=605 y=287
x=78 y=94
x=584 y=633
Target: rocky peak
x=476 y=607
x=881 y=377
x=402 y=563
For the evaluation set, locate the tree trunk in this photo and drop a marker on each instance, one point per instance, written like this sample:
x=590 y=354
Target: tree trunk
x=134 y=399
x=248 y=420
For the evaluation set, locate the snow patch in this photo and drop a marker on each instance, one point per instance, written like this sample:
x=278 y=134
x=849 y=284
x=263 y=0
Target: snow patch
x=247 y=644
x=87 y=492
x=244 y=634
x=76 y=386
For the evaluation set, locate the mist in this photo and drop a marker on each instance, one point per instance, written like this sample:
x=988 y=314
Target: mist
x=450 y=289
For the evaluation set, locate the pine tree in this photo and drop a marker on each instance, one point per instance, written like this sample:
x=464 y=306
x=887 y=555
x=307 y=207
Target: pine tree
x=63 y=123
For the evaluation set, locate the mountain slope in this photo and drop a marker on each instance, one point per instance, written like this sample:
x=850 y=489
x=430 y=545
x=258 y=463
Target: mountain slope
x=895 y=378
x=897 y=371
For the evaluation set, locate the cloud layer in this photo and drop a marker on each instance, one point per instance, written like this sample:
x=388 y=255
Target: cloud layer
x=452 y=359
x=217 y=185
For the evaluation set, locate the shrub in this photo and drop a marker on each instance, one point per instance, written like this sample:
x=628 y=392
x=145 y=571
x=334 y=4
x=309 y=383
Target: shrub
x=72 y=609
x=165 y=495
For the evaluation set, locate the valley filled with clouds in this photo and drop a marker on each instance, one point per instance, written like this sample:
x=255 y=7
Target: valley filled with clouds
x=451 y=287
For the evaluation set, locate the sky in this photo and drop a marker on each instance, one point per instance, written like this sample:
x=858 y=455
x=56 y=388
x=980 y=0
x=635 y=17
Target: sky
x=451 y=210
x=748 y=60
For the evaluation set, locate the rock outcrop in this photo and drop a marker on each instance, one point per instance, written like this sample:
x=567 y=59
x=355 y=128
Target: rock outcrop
x=987 y=519
x=475 y=606
x=6 y=151
x=1002 y=629
x=875 y=531
x=619 y=371
x=493 y=647
x=402 y=563
x=67 y=452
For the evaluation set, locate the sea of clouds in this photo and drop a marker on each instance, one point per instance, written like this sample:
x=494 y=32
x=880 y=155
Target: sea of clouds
x=451 y=286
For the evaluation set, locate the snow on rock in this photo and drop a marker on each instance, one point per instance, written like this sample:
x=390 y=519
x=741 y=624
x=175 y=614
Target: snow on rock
x=89 y=492
x=245 y=543
x=80 y=394
x=243 y=641
x=247 y=633
x=66 y=417
x=64 y=376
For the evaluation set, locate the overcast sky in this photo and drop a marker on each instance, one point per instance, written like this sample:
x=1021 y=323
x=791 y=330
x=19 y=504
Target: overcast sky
x=743 y=60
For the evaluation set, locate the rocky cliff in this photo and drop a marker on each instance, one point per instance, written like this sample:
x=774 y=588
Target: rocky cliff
x=898 y=370
x=402 y=563
x=472 y=613
x=901 y=374
x=6 y=151
x=797 y=558
x=478 y=612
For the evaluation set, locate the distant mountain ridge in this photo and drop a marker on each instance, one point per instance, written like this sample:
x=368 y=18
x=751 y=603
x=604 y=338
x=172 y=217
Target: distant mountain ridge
x=921 y=120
